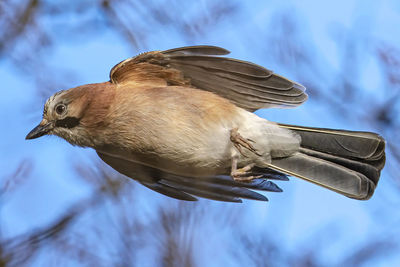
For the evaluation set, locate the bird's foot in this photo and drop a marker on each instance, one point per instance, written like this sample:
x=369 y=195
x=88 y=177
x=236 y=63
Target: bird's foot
x=244 y=174
x=239 y=142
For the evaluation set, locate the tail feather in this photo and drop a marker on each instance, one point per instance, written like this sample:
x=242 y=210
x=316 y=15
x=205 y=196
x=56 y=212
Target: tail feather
x=360 y=166
x=346 y=162
x=349 y=144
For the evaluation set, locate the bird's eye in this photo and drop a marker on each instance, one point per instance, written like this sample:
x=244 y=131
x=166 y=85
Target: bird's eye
x=60 y=109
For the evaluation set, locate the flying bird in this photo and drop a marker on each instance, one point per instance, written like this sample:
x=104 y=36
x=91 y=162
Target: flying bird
x=181 y=123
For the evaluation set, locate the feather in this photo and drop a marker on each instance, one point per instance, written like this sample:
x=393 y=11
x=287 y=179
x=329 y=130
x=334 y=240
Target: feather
x=346 y=162
x=368 y=170
x=201 y=185
x=245 y=84
x=169 y=191
x=201 y=193
x=220 y=188
x=350 y=144
x=326 y=174
x=197 y=50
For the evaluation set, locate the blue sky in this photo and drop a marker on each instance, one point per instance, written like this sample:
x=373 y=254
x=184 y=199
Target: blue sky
x=293 y=216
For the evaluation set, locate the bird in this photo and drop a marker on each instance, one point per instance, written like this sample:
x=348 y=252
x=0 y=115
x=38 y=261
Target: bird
x=181 y=122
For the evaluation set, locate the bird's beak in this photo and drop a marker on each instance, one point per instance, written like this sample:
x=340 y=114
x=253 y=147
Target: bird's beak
x=43 y=128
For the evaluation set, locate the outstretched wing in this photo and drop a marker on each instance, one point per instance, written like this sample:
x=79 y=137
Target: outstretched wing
x=247 y=85
x=220 y=188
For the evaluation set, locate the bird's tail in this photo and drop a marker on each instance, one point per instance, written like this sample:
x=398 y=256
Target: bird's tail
x=346 y=162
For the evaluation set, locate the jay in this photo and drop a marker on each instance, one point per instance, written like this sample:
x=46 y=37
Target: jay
x=181 y=123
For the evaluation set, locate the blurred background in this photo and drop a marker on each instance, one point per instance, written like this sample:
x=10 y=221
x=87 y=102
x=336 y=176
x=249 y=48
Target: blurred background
x=61 y=206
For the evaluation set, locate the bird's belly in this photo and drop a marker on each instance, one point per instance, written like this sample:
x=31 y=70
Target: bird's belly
x=199 y=147
x=203 y=156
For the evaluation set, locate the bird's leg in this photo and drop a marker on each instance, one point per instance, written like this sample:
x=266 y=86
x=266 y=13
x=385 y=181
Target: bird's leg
x=242 y=174
x=239 y=142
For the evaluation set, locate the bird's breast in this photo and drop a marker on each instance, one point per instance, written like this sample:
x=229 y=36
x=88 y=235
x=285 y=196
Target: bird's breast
x=180 y=130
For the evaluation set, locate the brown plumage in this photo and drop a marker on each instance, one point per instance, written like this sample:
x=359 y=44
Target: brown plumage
x=179 y=121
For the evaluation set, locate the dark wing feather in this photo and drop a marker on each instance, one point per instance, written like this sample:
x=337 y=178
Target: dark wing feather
x=197 y=50
x=245 y=84
x=169 y=191
x=220 y=188
x=204 y=193
x=209 y=187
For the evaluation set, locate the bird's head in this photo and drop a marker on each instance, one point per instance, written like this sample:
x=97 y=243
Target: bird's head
x=70 y=113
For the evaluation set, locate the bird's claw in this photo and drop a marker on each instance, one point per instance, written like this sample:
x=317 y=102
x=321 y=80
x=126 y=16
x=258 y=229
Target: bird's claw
x=244 y=174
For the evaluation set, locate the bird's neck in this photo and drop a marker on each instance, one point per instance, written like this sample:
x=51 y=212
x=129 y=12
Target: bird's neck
x=99 y=96
x=92 y=110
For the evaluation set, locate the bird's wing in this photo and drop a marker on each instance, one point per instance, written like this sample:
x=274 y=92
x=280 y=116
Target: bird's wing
x=247 y=85
x=220 y=188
